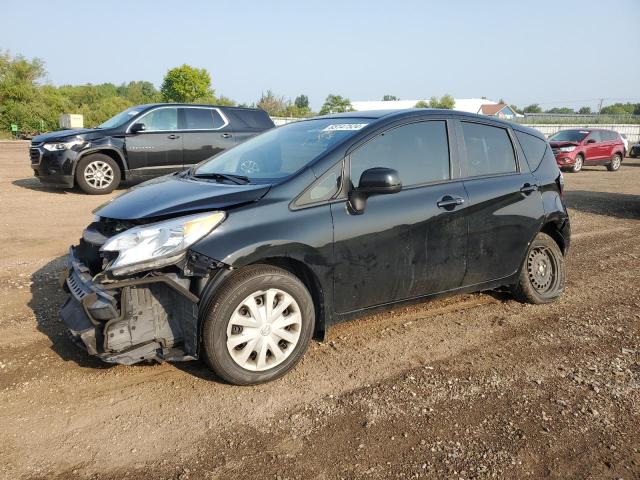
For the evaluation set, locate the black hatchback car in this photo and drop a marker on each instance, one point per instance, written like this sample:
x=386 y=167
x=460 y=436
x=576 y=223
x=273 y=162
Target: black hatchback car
x=141 y=142
x=243 y=258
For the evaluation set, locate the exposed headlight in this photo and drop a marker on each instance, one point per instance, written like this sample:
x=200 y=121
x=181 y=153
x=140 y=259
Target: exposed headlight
x=567 y=149
x=52 y=147
x=158 y=244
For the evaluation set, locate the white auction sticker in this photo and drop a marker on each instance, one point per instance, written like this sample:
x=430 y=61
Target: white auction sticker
x=344 y=126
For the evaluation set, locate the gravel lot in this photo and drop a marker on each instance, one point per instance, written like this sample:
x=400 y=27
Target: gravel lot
x=474 y=386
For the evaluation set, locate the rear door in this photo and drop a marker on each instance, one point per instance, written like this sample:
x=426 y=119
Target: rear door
x=205 y=132
x=504 y=201
x=158 y=149
x=410 y=243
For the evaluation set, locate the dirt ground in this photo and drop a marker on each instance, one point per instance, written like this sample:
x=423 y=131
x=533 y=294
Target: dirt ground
x=474 y=386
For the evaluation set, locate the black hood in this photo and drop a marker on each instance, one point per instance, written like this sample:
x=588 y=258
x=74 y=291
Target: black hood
x=175 y=195
x=63 y=135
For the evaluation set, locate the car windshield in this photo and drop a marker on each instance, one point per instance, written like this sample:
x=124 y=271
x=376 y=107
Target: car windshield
x=121 y=118
x=282 y=151
x=569 y=136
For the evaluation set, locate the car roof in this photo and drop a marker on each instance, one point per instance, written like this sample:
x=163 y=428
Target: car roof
x=147 y=106
x=412 y=112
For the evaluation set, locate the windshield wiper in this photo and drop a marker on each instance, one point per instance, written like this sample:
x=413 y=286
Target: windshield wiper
x=237 y=179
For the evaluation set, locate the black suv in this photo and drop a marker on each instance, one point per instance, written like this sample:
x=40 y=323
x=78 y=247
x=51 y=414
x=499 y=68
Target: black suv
x=243 y=258
x=140 y=143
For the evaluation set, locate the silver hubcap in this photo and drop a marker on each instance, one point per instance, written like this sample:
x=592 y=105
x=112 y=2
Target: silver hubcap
x=98 y=174
x=264 y=330
x=616 y=162
x=578 y=164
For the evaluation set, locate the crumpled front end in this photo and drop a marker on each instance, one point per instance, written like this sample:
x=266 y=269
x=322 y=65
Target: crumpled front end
x=149 y=316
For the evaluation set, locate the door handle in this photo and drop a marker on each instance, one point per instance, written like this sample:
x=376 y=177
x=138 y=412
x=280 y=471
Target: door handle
x=528 y=188
x=449 y=201
x=173 y=137
x=226 y=135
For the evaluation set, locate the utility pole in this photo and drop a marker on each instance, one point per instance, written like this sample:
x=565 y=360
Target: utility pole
x=600 y=105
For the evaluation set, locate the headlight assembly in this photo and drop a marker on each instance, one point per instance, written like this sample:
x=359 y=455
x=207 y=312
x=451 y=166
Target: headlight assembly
x=158 y=244
x=52 y=147
x=567 y=149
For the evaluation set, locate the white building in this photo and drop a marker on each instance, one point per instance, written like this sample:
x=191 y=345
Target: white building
x=482 y=106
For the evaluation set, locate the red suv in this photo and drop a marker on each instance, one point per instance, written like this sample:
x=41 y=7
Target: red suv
x=575 y=148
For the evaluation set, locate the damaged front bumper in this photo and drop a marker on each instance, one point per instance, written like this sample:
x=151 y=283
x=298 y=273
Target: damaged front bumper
x=150 y=318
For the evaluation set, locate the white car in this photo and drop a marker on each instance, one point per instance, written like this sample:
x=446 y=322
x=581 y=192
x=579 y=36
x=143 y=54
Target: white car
x=626 y=143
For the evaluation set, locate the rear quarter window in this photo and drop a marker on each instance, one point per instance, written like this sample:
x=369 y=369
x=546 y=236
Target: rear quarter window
x=249 y=119
x=533 y=148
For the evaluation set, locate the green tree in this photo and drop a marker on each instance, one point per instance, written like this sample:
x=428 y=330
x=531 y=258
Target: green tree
x=621 y=109
x=446 y=101
x=422 y=104
x=533 y=108
x=565 y=110
x=187 y=84
x=389 y=98
x=335 y=104
x=585 y=110
x=302 y=102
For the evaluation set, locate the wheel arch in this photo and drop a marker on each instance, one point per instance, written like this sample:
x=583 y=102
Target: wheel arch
x=552 y=229
x=310 y=280
x=112 y=153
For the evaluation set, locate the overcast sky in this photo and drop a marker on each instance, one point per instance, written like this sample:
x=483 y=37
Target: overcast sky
x=555 y=53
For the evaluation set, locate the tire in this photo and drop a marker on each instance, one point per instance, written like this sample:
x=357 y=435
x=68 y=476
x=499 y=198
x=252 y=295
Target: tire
x=97 y=174
x=577 y=166
x=231 y=318
x=616 y=160
x=542 y=275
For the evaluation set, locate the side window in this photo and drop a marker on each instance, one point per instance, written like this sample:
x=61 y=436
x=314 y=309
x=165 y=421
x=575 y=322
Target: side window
x=595 y=135
x=533 y=148
x=198 y=119
x=324 y=188
x=418 y=151
x=162 y=119
x=489 y=150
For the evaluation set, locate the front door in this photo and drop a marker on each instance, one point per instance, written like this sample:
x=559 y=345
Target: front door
x=594 y=147
x=158 y=149
x=205 y=133
x=410 y=243
x=504 y=199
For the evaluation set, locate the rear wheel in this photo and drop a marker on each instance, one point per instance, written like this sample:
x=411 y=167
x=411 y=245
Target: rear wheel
x=577 y=166
x=615 y=163
x=258 y=325
x=97 y=174
x=542 y=274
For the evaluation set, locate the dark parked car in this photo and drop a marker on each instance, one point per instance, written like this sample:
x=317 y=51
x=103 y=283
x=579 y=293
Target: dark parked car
x=634 y=151
x=575 y=148
x=141 y=143
x=243 y=258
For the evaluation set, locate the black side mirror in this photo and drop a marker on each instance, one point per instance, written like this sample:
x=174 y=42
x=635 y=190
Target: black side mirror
x=591 y=140
x=138 y=127
x=374 y=181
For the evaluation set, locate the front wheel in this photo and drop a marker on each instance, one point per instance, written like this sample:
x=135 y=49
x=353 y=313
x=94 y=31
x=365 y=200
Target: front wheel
x=615 y=163
x=97 y=174
x=258 y=325
x=577 y=166
x=542 y=274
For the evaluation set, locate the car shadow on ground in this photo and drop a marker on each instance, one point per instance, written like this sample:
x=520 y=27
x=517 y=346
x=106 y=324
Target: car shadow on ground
x=35 y=184
x=621 y=205
x=46 y=300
